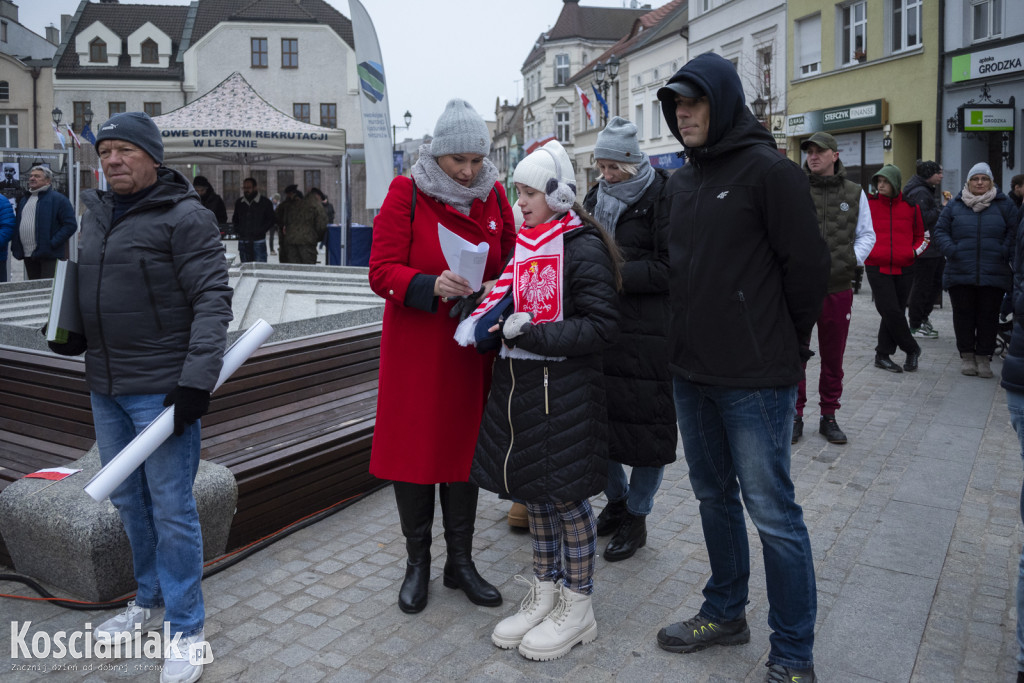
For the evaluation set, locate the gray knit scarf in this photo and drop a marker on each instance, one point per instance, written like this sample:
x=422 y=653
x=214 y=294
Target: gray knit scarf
x=614 y=198
x=433 y=181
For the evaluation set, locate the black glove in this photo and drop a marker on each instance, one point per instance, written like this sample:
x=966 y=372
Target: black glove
x=74 y=346
x=189 y=405
x=805 y=353
x=464 y=305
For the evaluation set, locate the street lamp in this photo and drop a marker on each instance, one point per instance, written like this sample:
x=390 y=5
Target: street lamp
x=759 y=105
x=57 y=115
x=601 y=70
x=394 y=139
x=87 y=116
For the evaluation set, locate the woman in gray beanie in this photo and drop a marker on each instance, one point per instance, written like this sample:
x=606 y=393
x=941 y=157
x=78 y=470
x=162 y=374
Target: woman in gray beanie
x=431 y=391
x=975 y=232
x=640 y=409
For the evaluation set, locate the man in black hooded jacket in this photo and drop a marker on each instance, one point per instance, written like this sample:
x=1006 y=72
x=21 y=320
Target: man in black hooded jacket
x=749 y=270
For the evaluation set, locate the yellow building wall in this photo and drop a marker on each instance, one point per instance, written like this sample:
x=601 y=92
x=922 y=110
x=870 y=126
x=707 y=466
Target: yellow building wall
x=908 y=82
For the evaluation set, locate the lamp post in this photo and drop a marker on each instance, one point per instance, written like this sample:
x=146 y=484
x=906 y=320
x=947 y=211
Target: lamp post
x=759 y=105
x=604 y=75
x=394 y=139
x=57 y=115
x=87 y=116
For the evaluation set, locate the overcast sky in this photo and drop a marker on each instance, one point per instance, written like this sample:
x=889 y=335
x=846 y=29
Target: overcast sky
x=433 y=50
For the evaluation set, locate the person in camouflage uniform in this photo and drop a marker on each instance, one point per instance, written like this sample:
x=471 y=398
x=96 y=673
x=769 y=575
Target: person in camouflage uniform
x=303 y=223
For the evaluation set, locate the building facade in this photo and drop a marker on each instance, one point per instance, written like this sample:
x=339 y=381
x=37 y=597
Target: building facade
x=752 y=35
x=867 y=72
x=982 y=89
x=26 y=88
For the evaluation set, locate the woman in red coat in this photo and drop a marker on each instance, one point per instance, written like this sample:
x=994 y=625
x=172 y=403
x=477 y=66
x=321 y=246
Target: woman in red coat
x=899 y=239
x=432 y=391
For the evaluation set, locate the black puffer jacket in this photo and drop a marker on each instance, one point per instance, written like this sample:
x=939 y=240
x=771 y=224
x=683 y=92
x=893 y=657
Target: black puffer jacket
x=641 y=413
x=544 y=434
x=1013 y=365
x=925 y=197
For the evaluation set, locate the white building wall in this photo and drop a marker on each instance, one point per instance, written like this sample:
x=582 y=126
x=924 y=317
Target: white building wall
x=648 y=69
x=326 y=71
x=736 y=30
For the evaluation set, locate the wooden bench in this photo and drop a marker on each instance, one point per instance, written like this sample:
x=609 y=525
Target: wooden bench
x=294 y=424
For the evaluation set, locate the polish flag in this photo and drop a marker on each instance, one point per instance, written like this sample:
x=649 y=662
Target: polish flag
x=587 y=107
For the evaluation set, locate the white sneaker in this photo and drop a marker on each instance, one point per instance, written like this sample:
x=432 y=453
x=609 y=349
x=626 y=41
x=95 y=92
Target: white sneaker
x=123 y=626
x=535 y=606
x=184 y=663
x=571 y=622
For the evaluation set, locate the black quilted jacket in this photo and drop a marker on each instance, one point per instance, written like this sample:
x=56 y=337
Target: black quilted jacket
x=544 y=434
x=641 y=412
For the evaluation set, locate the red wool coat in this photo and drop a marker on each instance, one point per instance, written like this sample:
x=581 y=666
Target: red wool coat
x=431 y=391
x=899 y=231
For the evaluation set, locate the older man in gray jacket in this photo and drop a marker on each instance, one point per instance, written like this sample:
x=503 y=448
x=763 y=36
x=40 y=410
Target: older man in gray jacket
x=155 y=303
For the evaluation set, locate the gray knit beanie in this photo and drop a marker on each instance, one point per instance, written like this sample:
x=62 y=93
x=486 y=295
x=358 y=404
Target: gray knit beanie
x=617 y=142
x=980 y=168
x=460 y=130
x=137 y=128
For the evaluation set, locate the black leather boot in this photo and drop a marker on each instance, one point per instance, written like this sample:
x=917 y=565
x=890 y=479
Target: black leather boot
x=416 y=514
x=458 y=507
x=630 y=536
x=611 y=517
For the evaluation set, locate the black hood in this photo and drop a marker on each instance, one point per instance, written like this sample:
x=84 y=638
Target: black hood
x=717 y=77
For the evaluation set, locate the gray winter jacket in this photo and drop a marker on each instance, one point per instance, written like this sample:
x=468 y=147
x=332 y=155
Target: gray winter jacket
x=153 y=291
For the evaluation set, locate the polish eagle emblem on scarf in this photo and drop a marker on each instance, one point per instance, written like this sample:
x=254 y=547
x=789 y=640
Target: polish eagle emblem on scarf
x=537 y=286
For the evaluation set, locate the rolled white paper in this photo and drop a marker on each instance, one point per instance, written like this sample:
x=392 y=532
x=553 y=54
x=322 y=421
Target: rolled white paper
x=149 y=439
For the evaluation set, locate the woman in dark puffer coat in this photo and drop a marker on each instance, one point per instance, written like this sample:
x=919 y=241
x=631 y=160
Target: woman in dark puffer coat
x=641 y=413
x=975 y=233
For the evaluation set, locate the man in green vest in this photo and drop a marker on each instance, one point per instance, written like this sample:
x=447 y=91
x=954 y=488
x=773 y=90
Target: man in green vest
x=845 y=222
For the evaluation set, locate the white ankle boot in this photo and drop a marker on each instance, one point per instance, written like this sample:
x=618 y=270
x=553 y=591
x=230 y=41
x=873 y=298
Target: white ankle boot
x=541 y=599
x=570 y=622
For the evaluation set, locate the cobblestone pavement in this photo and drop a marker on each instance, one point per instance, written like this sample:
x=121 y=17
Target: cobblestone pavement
x=914 y=526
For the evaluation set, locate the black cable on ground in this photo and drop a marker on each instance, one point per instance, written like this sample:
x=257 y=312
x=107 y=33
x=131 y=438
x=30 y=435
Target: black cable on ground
x=214 y=566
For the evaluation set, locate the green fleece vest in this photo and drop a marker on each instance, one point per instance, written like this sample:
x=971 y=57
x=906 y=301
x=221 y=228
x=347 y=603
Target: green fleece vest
x=837 y=204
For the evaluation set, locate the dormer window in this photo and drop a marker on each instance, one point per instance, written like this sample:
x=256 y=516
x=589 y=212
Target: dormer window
x=150 y=52
x=97 y=51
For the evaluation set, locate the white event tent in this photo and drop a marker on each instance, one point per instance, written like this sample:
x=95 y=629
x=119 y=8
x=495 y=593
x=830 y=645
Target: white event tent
x=233 y=124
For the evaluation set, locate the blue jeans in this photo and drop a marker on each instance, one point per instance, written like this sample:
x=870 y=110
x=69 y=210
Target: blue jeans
x=252 y=250
x=736 y=443
x=1015 y=402
x=638 y=491
x=157 y=509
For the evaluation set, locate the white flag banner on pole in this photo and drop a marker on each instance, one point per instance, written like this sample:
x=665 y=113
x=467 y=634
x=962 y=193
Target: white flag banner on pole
x=377 y=142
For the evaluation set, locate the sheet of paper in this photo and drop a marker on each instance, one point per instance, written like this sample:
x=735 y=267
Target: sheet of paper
x=463 y=257
x=147 y=441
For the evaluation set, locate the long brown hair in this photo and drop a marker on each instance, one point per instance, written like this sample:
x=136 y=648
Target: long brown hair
x=613 y=249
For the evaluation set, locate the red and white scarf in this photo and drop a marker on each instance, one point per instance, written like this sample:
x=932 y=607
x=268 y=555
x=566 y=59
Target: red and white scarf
x=536 y=270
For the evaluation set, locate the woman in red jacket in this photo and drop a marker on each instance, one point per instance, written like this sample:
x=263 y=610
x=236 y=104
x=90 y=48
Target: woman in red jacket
x=899 y=239
x=431 y=390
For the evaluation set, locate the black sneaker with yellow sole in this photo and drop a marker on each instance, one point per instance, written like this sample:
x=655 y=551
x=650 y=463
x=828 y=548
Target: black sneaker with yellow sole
x=701 y=632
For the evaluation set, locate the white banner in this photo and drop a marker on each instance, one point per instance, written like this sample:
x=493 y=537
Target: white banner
x=377 y=141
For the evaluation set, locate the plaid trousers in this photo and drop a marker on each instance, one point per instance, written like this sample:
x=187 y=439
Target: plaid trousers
x=568 y=529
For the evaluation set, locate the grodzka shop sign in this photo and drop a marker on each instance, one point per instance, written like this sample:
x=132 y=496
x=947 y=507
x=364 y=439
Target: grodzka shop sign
x=987 y=63
x=988 y=117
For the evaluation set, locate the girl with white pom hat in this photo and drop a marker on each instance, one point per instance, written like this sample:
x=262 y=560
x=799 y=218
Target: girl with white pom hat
x=543 y=439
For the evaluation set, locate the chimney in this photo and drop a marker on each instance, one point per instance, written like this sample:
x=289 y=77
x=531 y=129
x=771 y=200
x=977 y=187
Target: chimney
x=53 y=34
x=65 y=22
x=8 y=10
